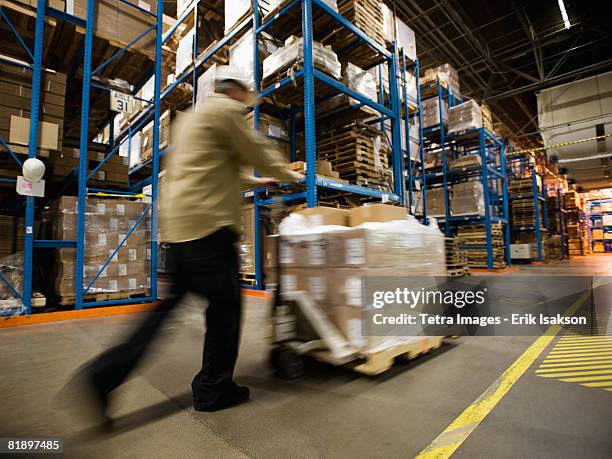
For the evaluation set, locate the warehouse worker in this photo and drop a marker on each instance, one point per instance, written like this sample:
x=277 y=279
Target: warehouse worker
x=199 y=219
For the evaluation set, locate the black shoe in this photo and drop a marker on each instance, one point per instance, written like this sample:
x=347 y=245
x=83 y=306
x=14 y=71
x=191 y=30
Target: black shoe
x=233 y=397
x=85 y=401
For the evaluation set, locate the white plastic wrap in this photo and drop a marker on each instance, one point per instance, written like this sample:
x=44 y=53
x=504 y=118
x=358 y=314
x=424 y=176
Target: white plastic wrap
x=467 y=199
x=431 y=112
x=467 y=115
x=107 y=222
x=241 y=52
x=293 y=53
x=447 y=75
x=11 y=268
x=206 y=85
x=236 y=9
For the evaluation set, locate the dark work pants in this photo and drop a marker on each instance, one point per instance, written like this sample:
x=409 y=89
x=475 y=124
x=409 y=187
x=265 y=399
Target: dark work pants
x=207 y=266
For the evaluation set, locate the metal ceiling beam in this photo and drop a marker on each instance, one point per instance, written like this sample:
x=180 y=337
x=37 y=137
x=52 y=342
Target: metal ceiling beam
x=552 y=81
x=527 y=26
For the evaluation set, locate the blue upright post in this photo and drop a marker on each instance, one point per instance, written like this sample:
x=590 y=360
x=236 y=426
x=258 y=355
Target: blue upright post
x=443 y=157
x=502 y=166
x=83 y=155
x=256 y=81
x=485 y=186
x=196 y=37
x=417 y=71
x=407 y=131
x=292 y=131
x=381 y=96
x=28 y=246
x=155 y=161
x=398 y=155
x=536 y=211
x=309 y=105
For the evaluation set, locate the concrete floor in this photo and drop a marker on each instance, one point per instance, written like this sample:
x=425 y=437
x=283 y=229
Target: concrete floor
x=330 y=412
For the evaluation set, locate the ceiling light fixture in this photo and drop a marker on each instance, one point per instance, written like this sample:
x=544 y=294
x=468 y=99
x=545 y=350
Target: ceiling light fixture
x=564 y=14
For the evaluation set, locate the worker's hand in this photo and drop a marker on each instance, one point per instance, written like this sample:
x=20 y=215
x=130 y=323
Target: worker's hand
x=267 y=180
x=297 y=176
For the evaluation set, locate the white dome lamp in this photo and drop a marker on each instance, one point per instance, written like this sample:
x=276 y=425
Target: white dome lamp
x=33 y=170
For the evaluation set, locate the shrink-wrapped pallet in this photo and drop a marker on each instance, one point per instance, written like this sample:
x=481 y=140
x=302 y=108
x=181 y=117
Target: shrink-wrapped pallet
x=464 y=116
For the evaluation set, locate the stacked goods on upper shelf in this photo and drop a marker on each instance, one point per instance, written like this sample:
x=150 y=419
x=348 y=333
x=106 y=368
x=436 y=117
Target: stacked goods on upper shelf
x=342 y=105
x=467 y=198
x=324 y=168
x=476 y=235
x=122 y=24
x=396 y=31
x=238 y=10
x=411 y=86
x=114 y=172
x=367 y=16
x=430 y=112
x=15 y=105
x=241 y=52
x=522 y=204
x=290 y=58
x=464 y=116
x=358 y=153
x=330 y=262
x=446 y=74
x=107 y=222
x=436 y=204
x=487 y=118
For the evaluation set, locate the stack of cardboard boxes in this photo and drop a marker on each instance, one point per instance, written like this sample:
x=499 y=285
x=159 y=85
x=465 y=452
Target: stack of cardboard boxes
x=464 y=116
x=114 y=171
x=107 y=223
x=330 y=261
x=15 y=105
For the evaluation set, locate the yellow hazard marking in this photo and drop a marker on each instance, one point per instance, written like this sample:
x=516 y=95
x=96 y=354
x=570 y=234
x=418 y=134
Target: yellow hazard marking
x=576 y=359
x=583 y=363
x=559 y=145
x=581 y=368
x=599 y=384
x=588 y=378
x=445 y=444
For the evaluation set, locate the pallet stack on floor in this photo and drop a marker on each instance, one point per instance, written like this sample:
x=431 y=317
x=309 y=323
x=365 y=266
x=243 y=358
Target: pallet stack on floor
x=456 y=258
x=575 y=224
x=470 y=235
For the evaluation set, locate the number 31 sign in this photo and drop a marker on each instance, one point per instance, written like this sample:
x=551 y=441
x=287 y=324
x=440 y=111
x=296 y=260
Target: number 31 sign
x=121 y=102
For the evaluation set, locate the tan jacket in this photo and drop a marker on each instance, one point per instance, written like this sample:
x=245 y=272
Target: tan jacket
x=200 y=192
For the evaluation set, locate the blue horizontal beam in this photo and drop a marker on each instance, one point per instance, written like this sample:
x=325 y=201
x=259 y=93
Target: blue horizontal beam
x=285 y=198
x=274 y=18
x=119 y=302
x=282 y=83
x=335 y=84
x=355 y=30
x=527 y=228
x=54 y=244
x=15 y=63
x=5 y=180
x=361 y=190
x=471 y=218
x=138 y=7
x=111 y=191
x=63 y=16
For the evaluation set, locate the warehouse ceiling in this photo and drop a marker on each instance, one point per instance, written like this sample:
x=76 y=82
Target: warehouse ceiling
x=506 y=50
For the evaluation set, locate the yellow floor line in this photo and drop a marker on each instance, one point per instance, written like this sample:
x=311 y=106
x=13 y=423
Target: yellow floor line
x=599 y=384
x=561 y=348
x=588 y=378
x=445 y=444
x=576 y=373
x=583 y=355
x=581 y=368
x=570 y=364
x=577 y=359
x=580 y=351
x=585 y=343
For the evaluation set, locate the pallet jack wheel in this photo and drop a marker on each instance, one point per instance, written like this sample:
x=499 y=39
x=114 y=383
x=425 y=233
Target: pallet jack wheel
x=286 y=363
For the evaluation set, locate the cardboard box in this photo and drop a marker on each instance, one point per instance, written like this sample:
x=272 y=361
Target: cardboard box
x=326 y=215
x=304 y=250
x=20 y=133
x=376 y=213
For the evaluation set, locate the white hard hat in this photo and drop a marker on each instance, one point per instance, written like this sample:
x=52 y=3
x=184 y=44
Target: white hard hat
x=234 y=74
x=33 y=169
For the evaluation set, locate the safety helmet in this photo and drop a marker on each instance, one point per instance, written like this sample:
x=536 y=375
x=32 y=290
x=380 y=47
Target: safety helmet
x=228 y=73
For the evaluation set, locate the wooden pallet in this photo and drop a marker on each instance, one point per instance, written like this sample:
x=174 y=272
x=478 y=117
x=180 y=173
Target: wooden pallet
x=378 y=362
x=66 y=300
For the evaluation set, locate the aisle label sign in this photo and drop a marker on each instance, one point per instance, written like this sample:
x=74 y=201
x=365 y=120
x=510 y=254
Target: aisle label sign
x=121 y=102
x=25 y=188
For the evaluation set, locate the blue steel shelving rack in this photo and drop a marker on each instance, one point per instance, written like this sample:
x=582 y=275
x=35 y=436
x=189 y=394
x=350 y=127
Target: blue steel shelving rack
x=606 y=228
x=491 y=173
x=43 y=10
x=311 y=75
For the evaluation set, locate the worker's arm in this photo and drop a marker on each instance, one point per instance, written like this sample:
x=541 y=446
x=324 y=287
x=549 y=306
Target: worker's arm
x=248 y=182
x=254 y=149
